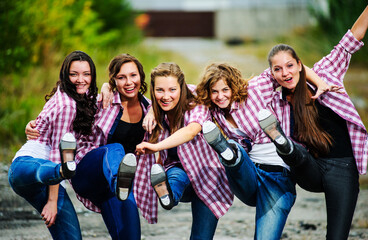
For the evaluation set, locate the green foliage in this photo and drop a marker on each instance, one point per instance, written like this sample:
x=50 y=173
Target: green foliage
x=339 y=17
x=32 y=30
x=35 y=37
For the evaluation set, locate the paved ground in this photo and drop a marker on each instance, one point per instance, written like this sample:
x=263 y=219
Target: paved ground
x=307 y=220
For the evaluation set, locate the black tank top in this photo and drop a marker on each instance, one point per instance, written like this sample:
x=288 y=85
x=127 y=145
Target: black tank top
x=128 y=134
x=337 y=128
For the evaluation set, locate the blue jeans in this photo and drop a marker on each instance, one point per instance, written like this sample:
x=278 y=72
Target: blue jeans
x=204 y=221
x=272 y=193
x=95 y=179
x=338 y=178
x=30 y=177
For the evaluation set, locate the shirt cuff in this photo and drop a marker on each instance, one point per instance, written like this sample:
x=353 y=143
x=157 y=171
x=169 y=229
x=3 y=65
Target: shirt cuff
x=350 y=43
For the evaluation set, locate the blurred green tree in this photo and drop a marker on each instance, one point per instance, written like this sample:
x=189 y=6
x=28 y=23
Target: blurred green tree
x=31 y=30
x=336 y=17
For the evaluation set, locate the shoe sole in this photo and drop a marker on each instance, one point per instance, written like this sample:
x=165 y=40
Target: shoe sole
x=212 y=134
x=126 y=172
x=67 y=149
x=266 y=118
x=269 y=123
x=158 y=182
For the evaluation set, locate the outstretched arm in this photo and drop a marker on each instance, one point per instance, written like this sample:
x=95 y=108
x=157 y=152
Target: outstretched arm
x=360 y=26
x=179 y=137
x=321 y=85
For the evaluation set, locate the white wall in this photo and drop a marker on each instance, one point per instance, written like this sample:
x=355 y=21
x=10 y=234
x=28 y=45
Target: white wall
x=254 y=19
x=259 y=23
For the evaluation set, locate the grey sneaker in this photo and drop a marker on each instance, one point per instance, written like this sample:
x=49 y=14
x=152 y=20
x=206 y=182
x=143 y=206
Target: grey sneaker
x=161 y=186
x=126 y=171
x=67 y=147
x=271 y=126
x=216 y=140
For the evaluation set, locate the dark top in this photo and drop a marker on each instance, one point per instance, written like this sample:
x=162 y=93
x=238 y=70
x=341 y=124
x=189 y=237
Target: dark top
x=128 y=134
x=337 y=128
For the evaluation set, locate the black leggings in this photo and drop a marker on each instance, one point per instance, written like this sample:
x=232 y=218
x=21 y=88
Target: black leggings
x=338 y=178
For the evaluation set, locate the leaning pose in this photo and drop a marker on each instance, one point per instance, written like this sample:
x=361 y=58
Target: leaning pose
x=40 y=165
x=330 y=127
x=190 y=170
x=106 y=163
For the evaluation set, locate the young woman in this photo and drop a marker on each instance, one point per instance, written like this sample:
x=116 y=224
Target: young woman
x=330 y=127
x=104 y=175
x=261 y=179
x=191 y=171
x=40 y=165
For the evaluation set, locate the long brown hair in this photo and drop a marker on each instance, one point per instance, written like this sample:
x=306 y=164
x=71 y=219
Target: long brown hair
x=186 y=101
x=307 y=129
x=86 y=104
x=230 y=75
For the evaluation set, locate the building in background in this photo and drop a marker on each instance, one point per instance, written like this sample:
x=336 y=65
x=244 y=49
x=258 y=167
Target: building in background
x=222 y=19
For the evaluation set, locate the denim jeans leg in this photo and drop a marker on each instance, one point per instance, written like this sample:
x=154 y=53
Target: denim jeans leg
x=305 y=169
x=89 y=180
x=67 y=224
x=178 y=181
x=275 y=197
x=95 y=180
x=28 y=171
x=111 y=160
x=121 y=218
x=341 y=184
x=243 y=177
x=29 y=177
x=204 y=221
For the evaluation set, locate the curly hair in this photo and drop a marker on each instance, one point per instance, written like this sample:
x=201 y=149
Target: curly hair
x=186 y=101
x=115 y=66
x=86 y=104
x=230 y=75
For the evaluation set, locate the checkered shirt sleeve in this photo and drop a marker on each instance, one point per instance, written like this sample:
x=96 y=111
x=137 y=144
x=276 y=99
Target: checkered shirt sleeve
x=54 y=121
x=200 y=162
x=332 y=69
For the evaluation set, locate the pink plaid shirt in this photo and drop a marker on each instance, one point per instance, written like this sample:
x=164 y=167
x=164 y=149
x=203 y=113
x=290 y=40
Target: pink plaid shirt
x=245 y=115
x=54 y=121
x=104 y=120
x=201 y=163
x=331 y=69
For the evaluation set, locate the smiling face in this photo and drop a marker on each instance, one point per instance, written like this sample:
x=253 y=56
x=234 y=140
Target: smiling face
x=167 y=92
x=221 y=94
x=80 y=76
x=128 y=81
x=285 y=69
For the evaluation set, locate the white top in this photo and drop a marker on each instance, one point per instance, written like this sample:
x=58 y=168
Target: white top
x=34 y=149
x=265 y=153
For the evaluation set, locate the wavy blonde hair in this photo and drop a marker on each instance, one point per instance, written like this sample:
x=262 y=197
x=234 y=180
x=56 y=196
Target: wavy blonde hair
x=230 y=75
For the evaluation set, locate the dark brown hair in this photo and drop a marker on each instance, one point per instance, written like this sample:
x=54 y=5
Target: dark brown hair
x=307 y=129
x=114 y=69
x=86 y=104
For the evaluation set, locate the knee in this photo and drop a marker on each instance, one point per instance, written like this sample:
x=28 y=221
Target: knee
x=116 y=147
